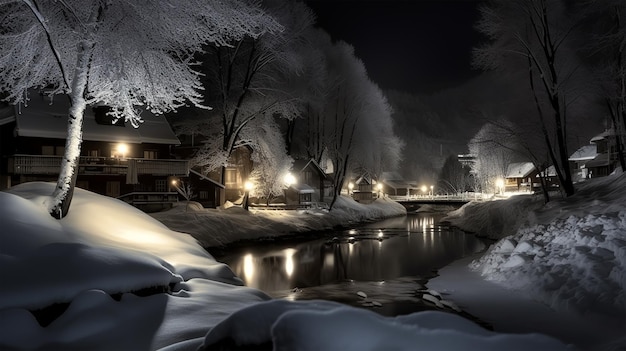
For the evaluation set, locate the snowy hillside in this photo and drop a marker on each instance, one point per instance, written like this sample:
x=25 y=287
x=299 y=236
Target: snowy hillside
x=109 y=277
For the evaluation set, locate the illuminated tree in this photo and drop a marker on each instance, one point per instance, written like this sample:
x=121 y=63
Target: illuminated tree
x=128 y=55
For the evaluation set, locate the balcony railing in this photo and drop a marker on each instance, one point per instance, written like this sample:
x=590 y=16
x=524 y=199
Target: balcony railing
x=41 y=164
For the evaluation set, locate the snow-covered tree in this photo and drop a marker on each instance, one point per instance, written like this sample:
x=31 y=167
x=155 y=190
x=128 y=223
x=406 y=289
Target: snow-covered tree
x=128 y=55
x=247 y=79
x=493 y=152
x=271 y=162
x=454 y=177
x=534 y=34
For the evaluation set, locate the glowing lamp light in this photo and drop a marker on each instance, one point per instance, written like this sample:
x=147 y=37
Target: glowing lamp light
x=289 y=179
x=350 y=186
x=424 y=188
x=500 y=182
x=122 y=149
x=248 y=186
x=380 y=186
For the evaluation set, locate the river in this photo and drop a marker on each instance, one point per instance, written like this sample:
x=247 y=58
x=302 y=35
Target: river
x=389 y=262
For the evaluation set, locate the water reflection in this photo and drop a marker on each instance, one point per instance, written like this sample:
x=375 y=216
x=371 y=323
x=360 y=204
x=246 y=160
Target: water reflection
x=405 y=246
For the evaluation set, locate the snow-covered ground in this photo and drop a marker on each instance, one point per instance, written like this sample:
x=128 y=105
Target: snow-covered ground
x=216 y=227
x=569 y=254
x=109 y=277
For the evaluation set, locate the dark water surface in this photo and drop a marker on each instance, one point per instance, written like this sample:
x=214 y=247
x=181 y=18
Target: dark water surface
x=389 y=261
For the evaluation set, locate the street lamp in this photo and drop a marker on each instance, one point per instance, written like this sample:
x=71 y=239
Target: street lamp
x=350 y=187
x=500 y=185
x=424 y=190
x=289 y=179
x=247 y=186
x=432 y=194
x=379 y=186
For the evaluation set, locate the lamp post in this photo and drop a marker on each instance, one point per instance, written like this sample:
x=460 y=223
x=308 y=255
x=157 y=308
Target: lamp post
x=379 y=186
x=350 y=187
x=289 y=180
x=500 y=185
x=247 y=186
x=424 y=190
x=432 y=193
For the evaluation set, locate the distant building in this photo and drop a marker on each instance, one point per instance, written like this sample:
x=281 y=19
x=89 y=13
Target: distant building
x=519 y=177
x=579 y=159
x=467 y=160
x=117 y=160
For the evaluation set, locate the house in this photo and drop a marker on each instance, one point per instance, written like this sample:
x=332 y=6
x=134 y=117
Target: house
x=237 y=169
x=363 y=189
x=310 y=173
x=605 y=162
x=580 y=158
x=117 y=160
x=520 y=176
x=206 y=191
x=394 y=184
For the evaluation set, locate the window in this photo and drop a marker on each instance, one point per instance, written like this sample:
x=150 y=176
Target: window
x=160 y=185
x=92 y=153
x=59 y=150
x=83 y=184
x=150 y=154
x=113 y=189
x=47 y=150
x=305 y=198
x=204 y=195
x=308 y=177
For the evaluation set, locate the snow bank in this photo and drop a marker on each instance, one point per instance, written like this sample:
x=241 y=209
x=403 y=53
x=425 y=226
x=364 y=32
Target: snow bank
x=109 y=277
x=494 y=219
x=322 y=325
x=569 y=254
x=218 y=227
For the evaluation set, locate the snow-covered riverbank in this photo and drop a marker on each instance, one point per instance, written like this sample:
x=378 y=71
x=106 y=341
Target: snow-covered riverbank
x=109 y=277
x=569 y=254
x=218 y=227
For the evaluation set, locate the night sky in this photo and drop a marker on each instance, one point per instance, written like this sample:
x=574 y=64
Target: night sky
x=416 y=46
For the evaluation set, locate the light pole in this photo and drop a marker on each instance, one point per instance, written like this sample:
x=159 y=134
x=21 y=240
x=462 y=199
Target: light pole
x=500 y=185
x=350 y=187
x=379 y=186
x=247 y=186
x=432 y=194
x=424 y=190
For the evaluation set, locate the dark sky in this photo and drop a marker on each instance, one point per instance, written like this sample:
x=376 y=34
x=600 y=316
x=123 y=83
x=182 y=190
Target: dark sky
x=418 y=46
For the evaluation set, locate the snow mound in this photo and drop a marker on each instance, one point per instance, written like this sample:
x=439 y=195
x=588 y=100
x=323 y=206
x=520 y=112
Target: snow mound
x=321 y=325
x=494 y=219
x=571 y=254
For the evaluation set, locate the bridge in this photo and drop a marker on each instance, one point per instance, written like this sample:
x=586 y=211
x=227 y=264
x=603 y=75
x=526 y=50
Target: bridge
x=413 y=203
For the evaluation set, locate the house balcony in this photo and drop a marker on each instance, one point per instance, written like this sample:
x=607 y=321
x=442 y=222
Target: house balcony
x=41 y=164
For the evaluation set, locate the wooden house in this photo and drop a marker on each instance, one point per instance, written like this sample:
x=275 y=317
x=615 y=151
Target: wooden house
x=520 y=176
x=363 y=189
x=206 y=191
x=605 y=162
x=312 y=184
x=117 y=160
x=579 y=159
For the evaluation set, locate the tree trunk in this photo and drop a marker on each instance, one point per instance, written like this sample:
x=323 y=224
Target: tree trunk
x=64 y=191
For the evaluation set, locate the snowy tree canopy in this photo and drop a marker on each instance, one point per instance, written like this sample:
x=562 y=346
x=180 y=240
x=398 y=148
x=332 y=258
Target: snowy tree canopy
x=128 y=55
x=141 y=52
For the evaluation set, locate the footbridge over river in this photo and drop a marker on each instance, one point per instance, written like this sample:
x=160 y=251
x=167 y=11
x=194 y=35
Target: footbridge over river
x=414 y=203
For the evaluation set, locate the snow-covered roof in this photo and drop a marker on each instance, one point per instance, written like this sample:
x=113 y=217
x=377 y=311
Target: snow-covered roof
x=302 y=188
x=519 y=170
x=45 y=119
x=603 y=135
x=599 y=161
x=587 y=152
x=300 y=165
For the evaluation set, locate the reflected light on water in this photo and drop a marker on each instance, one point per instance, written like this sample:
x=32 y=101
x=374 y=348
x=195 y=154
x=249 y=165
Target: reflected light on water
x=248 y=267
x=289 y=261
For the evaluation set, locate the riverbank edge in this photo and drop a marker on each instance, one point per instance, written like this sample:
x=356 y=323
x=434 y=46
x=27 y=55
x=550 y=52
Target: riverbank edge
x=217 y=229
